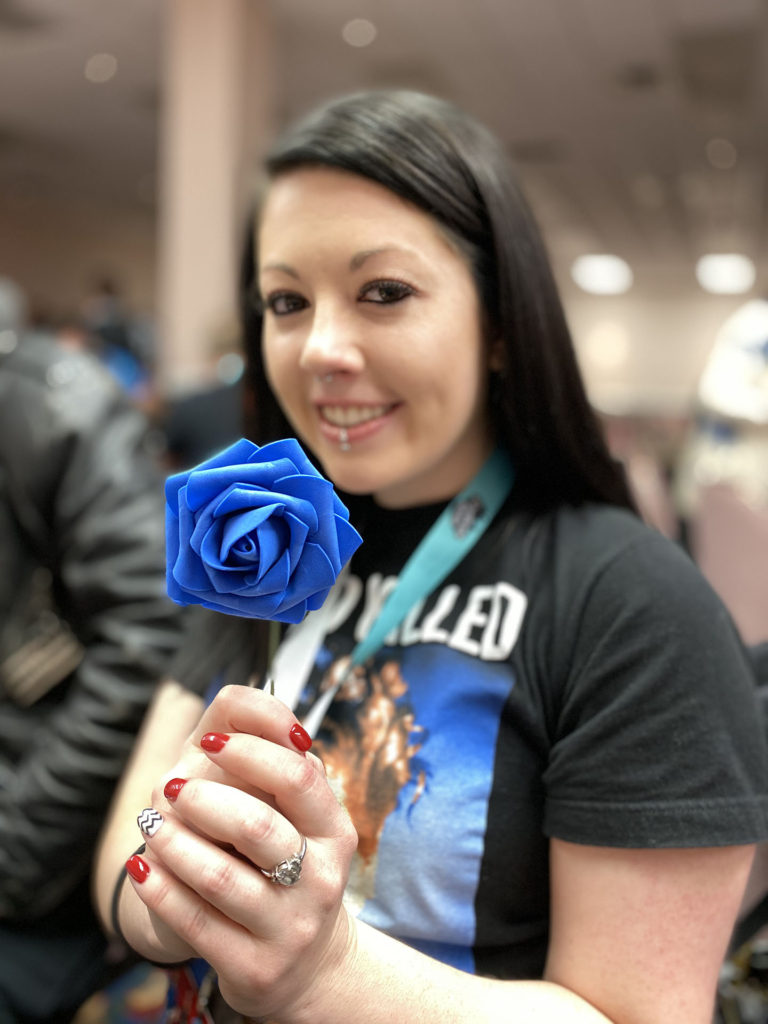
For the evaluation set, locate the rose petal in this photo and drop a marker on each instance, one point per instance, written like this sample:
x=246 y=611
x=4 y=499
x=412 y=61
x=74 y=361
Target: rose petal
x=236 y=453
x=298 y=535
x=314 y=572
x=341 y=510
x=313 y=490
x=239 y=496
x=201 y=524
x=294 y=614
x=265 y=528
x=269 y=539
x=277 y=578
x=203 y=486
x=190 y=573
x=188 y=570
x=234 y=604
x=245 y=551
x=290 y=448
x=348 y=538
x=237 y=499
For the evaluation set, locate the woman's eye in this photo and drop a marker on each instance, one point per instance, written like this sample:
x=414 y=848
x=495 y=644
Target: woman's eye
x=385 y=292
x=283 y=303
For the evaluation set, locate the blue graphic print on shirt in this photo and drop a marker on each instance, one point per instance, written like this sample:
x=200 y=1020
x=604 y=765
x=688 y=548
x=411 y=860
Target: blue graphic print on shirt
x=390 y=743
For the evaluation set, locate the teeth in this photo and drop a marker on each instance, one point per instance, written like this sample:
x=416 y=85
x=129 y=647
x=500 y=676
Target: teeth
x=352 y=415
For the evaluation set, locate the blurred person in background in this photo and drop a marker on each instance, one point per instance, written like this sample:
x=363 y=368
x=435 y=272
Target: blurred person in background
x=86 y=630
x=124 y=343
x=728 y=442
x=721 y=483
x=201 y=421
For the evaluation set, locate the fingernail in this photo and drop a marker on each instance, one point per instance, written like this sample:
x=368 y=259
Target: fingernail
x=137 y=868
x=173 y=787
x=300 y=737
x=150 y=820
x=213 y=741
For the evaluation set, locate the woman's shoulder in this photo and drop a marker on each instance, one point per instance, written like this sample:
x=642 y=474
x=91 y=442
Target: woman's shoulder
x=592 y=548
x=600 y=523
x=597 y=534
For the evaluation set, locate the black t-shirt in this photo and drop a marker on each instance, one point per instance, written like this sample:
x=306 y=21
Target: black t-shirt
x=574 y=677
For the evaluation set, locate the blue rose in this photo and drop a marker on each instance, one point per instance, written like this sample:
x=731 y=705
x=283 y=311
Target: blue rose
x=256 y=532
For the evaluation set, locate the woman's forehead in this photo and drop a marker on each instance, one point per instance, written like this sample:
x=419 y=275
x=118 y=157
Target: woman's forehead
x=320 y=203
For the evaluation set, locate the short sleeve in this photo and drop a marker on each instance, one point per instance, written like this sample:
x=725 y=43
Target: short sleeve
x=659 y=741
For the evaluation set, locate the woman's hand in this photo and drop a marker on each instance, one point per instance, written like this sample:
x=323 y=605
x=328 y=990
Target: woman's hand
x=249 y=796
x=235 y=709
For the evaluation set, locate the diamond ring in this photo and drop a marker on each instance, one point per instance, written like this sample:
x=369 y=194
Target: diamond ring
x=288 y=871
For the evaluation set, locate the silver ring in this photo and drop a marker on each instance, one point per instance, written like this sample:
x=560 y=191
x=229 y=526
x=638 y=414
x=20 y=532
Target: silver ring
x=288 y=871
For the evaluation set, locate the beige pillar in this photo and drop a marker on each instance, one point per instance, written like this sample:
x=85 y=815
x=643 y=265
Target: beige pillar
x=206 y=131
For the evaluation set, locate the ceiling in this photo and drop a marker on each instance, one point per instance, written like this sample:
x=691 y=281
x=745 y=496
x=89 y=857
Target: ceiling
x=639 y=126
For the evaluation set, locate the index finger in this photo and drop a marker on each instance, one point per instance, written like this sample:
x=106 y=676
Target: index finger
x=243 y=709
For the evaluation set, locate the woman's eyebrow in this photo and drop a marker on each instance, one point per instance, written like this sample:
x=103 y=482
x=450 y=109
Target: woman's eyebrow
x=355 y=262
x=360 y=257
x=285 y=268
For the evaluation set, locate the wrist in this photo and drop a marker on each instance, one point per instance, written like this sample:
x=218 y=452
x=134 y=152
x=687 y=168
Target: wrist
x=333 y=979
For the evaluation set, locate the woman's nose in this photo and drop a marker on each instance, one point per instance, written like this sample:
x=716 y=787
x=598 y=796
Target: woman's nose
x=331 y=346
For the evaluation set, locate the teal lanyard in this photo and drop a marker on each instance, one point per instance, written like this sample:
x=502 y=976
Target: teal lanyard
x=453 y=535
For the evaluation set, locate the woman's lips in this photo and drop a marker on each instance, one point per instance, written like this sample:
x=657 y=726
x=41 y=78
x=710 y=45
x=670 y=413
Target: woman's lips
x=351 y=415
x=358 y=421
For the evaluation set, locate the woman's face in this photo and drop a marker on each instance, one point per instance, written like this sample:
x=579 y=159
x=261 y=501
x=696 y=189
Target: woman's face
x=372 y=337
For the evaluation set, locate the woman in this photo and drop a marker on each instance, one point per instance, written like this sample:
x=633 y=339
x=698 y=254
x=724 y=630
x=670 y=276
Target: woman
x=550 y=768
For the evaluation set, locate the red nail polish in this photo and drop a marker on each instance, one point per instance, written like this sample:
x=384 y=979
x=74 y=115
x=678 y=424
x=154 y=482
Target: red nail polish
x=300 y=737
x=173 y=787
x=137 y=868
x=214 y=741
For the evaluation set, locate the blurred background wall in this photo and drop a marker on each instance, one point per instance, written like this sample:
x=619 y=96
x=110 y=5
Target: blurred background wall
x=638 y=127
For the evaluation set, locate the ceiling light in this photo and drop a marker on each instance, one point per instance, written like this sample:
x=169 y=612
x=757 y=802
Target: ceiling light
x=359 y=32
x=230 y=368
x=607 y=346
x=726 y=273
x=8 y=341
x=602 y=274
x=101 y=67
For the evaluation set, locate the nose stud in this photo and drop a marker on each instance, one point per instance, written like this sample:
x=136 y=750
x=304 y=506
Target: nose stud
x=327 y=378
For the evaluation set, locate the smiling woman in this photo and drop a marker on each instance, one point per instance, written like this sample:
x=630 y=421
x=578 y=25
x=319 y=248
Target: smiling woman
x=363 y=288
x=497 y=819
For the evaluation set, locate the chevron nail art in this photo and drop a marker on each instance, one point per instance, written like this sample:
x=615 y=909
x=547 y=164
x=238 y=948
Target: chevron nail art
x=149 y=821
